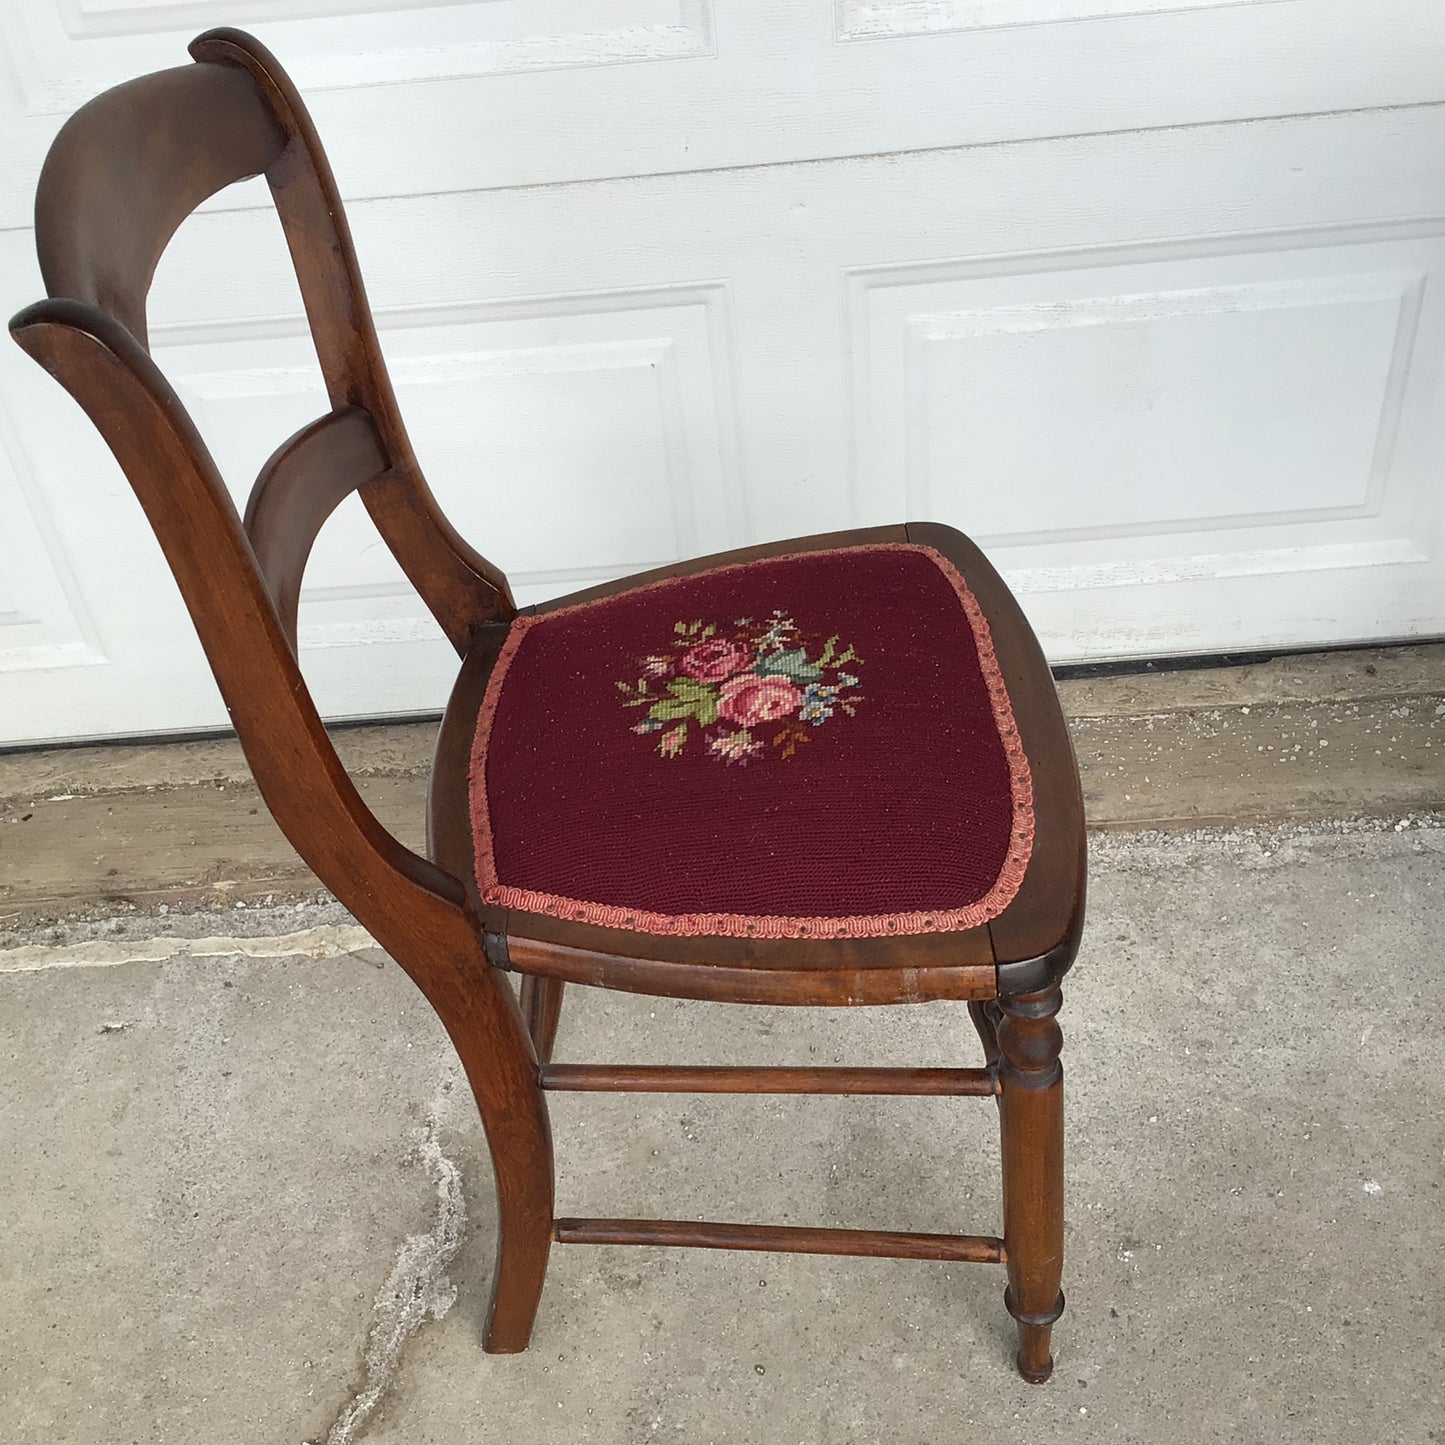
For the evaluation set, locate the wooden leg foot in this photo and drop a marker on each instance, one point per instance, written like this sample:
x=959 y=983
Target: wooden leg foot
x=1035 y=1363
x=523 y=1244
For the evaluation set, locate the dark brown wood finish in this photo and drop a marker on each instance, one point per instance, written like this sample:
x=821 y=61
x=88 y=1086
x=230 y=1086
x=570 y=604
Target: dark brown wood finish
x=984 y=1014
x=542 y=1008
x=124 y=172
x=415 y=911
x=122 y=175
x=461 y=588
x=1032 y=1110
x=301 y=485
x=782 y=1239
x=713 y=1079
x=1035 y=938
x=815 y=983
x=130 y=167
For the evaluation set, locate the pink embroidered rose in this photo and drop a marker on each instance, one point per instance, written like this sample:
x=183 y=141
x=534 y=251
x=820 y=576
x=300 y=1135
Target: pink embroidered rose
x=750 y=699
x=715 y=660
x=736 y=694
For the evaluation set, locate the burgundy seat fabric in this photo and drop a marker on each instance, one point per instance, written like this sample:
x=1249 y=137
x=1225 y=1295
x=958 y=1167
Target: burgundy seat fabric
x=815 y=744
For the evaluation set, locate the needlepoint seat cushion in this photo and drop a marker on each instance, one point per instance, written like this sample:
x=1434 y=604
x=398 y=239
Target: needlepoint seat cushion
x=817 y=744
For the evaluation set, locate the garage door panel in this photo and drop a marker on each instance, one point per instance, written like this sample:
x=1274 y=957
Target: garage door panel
x=569 y=434
x=1140 y=416
x=67 y=50
x=889 y=19
x=1184 y=383
x=421 y=98
x=572 y=438
x=1067 y=405
x=44 y=622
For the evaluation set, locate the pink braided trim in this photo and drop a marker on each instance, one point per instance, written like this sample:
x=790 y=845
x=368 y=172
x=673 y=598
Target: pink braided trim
x=747 y=925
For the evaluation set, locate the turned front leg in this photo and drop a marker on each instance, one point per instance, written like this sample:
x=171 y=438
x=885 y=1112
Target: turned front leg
x=1032 y=1123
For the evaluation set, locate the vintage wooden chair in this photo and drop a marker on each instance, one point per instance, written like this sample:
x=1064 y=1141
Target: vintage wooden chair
x=825 y=771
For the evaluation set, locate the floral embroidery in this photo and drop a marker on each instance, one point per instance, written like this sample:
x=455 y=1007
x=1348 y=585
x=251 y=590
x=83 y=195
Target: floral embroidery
x=732 y=685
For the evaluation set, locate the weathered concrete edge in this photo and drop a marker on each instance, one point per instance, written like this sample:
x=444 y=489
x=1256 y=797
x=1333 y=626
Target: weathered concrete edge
x=379 y=750
x=403 y=749
x=106 y=940
x=95 y=832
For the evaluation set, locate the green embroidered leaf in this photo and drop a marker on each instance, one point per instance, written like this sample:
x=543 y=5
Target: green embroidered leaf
x=696 y=699
x=792 y=664
x=673 y=708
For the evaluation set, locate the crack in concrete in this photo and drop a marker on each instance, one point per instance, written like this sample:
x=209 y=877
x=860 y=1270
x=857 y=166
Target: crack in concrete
x=331 y=940
x=416 y=1290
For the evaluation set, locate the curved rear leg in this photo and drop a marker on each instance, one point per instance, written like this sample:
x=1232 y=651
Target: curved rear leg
x=523 y=1169
x=495 y=1047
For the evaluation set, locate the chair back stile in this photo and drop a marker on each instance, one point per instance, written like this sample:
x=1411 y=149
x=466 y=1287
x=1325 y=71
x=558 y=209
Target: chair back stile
x=124 y=173
x=419 y=914
x=296 y=767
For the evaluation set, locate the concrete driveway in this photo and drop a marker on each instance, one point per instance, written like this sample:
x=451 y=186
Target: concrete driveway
x=246 y=1196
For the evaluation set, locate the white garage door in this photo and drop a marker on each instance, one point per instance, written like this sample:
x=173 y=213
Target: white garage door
x=1146 y=295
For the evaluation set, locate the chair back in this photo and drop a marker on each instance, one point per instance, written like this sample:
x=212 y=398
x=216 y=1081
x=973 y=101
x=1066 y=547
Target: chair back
x=122 y=175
